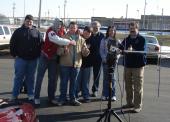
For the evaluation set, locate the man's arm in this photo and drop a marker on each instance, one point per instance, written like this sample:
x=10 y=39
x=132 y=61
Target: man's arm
x=13 y=44
x=103 y=50
x=58 y=40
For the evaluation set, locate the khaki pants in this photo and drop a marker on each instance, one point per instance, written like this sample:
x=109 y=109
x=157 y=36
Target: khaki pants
x=134 y=78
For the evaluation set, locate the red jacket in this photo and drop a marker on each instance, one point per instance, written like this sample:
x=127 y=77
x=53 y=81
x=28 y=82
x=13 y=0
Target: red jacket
x=49 y=48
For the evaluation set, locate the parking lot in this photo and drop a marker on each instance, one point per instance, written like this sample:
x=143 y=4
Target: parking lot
x=155 y=109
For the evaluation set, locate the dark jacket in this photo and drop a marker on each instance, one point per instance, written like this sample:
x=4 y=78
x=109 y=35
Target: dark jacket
x=95 y=41
x=134 y=60
x=86 y=61
x=26 y=43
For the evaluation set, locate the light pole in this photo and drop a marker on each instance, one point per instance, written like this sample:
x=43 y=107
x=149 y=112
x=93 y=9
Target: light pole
x=13 y=8
x=39 y=15
x=65 y=2
x=162 y=23
x=144 y=15
x=59 y=11
x=93 y=12
x=24 y=8
x=48 y=14
x=137 y=13
x=126 y=16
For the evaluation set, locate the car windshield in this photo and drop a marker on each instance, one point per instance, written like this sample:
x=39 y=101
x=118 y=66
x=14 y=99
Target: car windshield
x=151 y=40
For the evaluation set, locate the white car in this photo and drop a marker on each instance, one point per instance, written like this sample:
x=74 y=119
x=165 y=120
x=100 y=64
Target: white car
x=152 y=45
x=43 y=34
x=5 y=35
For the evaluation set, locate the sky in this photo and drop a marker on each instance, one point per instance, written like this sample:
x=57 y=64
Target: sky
x=85 y=8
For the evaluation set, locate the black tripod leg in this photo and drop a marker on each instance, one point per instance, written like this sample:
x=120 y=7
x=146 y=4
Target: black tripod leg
x=115 y=114
x=107 y=118
x=102 y=116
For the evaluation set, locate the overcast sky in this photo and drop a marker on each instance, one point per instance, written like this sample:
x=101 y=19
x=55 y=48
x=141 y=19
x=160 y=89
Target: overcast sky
x=85 y=8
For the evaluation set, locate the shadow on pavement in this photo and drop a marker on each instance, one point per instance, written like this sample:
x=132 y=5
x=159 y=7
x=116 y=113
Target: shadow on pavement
x=73 y=116
x=69 y=116
x=5 y=93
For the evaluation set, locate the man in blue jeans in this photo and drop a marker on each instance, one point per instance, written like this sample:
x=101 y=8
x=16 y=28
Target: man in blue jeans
x=48 y=61
x=70 y=63
x=25 y=46
x=84 y=74
x=96 y=60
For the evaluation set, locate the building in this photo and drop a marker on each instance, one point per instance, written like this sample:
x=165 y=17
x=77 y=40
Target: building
x=120 y=23
x=155 y=22
x=4 y=20
x=147 y=22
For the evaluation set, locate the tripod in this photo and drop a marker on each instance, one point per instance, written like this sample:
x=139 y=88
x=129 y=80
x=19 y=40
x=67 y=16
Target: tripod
x=111 y=62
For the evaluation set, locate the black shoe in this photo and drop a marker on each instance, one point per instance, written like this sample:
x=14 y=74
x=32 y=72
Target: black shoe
x=75 y=103
x=87 y=100
x=53 y=102
x=61 y=103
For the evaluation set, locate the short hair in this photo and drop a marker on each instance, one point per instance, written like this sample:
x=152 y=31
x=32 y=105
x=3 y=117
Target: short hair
x=72 y=23
x=134 y=24
x=29 y=17
x=97 y=23
x=88 y=29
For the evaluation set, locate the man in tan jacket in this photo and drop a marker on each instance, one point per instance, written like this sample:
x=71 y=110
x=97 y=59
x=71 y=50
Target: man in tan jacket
x=70 y=63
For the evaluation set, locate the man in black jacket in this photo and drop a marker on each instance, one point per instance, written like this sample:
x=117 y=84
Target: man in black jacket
x=25 y=46
x=95 y=57
x=134 y=68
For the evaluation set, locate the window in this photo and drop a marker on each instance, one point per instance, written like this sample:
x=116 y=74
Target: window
x=6 y=30
x=151 y=40
x=1 y=31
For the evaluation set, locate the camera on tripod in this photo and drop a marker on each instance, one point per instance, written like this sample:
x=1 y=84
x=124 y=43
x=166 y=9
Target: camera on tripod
x=112 y=56
x=111 y=61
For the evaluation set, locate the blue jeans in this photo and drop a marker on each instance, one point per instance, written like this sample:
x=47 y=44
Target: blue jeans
x=68 y=74
x=24 y=71
x=96 y=76
x=52 y=66
x=105 y=91
x=83 y=82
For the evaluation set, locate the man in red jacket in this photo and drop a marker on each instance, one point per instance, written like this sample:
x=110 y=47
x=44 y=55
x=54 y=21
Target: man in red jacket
x=48 y=60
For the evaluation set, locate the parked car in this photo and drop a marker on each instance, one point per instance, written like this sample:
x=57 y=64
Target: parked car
x=152 y=45
x=5 y=35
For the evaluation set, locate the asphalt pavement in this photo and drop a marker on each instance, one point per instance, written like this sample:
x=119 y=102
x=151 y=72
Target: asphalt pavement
x=155 y=108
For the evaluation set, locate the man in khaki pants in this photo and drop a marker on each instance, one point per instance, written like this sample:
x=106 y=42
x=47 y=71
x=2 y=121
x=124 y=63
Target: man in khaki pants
x=134 y=68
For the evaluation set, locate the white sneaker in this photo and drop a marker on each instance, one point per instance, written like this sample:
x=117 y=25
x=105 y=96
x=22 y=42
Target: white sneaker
x=37 y=101
x=114 y=98
x=53 y=101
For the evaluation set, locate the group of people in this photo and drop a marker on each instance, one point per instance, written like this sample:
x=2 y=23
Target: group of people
x=72 y=55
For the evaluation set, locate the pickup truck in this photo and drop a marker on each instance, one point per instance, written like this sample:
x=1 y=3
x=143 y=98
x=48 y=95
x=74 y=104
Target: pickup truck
x=5 y=35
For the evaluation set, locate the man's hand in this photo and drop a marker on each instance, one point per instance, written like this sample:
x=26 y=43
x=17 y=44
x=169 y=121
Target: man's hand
x=72 y=42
